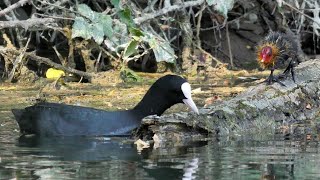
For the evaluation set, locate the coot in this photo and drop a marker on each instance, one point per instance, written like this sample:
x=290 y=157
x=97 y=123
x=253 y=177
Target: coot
x=53 y=119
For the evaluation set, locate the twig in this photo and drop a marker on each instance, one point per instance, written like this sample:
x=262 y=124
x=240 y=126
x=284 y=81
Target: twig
x=98 y=61
x=58 y=6
x=165 y=10
x=218 y=63
x=33 y=56
x=62 y=60
x=54 y=17
x=307 y=16
x=229 y=46
x=18 y=60
x=199 y=14
x=33 y=23
x=13 y=6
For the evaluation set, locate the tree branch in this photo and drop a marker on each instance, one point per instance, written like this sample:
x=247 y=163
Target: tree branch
x=33 y=56
x=165 y=10
x=33 y=23
x=13 y=6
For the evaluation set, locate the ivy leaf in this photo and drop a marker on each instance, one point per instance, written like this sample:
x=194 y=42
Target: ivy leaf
x=96 y=31
x=80 y=28
x=125 y=16
x=106 y=22
x=222 y=6
x=86 y=11
x=131 y=49
x=161 y=48
x=116 y=4
x=120 y=36
x=136 y=32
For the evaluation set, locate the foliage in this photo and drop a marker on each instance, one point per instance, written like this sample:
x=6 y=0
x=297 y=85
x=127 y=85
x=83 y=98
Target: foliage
x=122 y=35
x=116 y=31
x=161 y=48
x=92 y=24
x=127 y=75
x=222 y=6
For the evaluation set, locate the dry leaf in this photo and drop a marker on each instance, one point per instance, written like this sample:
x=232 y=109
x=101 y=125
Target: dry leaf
x=197 y=91
x=211 y=100
x=308 y=137
x=141 y=145
x=308 y=106
x=156 y=141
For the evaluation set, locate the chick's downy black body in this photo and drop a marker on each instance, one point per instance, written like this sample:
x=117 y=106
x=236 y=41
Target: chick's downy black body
x=279 y=50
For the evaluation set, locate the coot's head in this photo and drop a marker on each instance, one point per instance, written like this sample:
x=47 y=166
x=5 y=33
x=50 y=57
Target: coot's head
x=170 y=90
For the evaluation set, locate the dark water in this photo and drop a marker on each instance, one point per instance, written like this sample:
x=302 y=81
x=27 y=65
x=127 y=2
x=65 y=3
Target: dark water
x=246 y=157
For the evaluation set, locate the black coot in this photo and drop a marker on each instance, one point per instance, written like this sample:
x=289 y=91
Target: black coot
x=52 y=119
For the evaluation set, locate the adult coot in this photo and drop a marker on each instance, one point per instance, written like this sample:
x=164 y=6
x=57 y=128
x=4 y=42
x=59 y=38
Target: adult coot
x=52 y=119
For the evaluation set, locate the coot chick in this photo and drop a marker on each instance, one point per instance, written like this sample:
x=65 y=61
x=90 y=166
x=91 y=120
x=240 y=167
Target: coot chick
x=276 y=50
x=53 y=119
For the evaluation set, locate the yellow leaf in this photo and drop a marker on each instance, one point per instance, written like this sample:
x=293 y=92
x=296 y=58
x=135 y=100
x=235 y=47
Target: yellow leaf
x=54 y=73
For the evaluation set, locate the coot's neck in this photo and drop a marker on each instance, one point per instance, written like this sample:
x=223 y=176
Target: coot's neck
x=153 y=103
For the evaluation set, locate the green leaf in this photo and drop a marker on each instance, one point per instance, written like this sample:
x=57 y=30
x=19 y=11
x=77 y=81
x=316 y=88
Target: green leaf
x=222 y=6
x=106 y=22
x=116 y=4
x=125 y=16
x=131 y=49
x=127 y=75
x=136 y=32
x=80 y=28
x=120 y=36
x=97 y=32
x=86 y=11
x=96 y=26
x=161 y=48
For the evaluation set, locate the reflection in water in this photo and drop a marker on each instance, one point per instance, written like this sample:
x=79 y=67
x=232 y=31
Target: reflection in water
x=105 y=158
x=98 y=158
x=191 y=168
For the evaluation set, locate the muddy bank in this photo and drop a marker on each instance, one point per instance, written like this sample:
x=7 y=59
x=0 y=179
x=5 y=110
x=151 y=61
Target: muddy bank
x=259 y=107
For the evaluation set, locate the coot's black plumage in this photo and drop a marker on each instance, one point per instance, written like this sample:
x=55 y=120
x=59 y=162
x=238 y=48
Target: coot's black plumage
x=52 y=119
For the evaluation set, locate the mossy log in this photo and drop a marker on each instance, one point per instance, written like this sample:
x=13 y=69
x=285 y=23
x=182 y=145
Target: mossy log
x=260 y=107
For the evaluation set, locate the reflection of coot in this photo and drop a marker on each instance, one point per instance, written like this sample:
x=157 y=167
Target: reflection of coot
x=79 y=148
x=100 y=154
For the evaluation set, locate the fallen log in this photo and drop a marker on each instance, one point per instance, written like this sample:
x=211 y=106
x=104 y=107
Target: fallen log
x=260 y=107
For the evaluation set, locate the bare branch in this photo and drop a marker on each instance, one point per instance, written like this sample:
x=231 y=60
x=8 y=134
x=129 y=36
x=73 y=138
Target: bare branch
x=229 y=46
x=33 y=56
x=165 y=10
x=18 y=60
x=13 y=6
x=33 y=23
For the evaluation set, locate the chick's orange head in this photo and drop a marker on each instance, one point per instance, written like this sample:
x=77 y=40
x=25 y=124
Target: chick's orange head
x=267 y=54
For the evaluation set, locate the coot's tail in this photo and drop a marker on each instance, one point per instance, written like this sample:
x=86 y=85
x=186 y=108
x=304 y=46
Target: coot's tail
x=24 y=121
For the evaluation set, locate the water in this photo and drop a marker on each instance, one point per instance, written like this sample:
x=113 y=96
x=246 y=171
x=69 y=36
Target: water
x=259 y=156
x=246 y=157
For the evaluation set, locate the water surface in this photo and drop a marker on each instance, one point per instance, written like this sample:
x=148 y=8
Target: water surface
x=246 y=157
x=257 y=156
